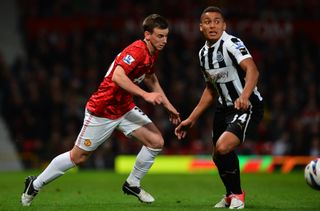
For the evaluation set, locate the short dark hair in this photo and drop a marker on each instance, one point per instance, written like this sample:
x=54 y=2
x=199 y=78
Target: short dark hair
x=154 y=21
x=212 y=9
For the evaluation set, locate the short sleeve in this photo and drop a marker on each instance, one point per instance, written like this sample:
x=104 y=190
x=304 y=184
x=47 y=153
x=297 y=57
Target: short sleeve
x=237 y=48
x=130 y=58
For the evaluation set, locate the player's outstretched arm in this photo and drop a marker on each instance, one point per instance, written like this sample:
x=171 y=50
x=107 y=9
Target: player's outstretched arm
x=122 y=80
x=206 y=100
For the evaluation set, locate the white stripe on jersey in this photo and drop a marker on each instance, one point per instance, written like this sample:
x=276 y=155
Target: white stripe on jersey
x=237 y=84
x=224 y=93
x=110 y=69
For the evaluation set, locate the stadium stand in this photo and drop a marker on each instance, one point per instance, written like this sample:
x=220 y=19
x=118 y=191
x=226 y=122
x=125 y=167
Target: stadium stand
x=69 y=45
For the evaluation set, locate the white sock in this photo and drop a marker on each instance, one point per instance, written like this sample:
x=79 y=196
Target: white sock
x=143 y=163
x=58 y=166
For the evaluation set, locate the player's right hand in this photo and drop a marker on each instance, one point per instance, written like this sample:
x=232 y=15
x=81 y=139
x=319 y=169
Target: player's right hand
x=181 y=129
x=154 y=98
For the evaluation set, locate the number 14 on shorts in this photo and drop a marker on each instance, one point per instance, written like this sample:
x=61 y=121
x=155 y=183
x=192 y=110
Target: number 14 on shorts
x=242 y=118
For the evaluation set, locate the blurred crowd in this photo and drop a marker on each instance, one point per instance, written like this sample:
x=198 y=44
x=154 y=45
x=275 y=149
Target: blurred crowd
x=43 y=94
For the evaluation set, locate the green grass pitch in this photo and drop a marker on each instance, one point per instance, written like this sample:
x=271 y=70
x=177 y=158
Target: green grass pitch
x=101 y=190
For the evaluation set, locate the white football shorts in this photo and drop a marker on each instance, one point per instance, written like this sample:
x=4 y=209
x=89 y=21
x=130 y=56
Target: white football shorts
x=96 y=130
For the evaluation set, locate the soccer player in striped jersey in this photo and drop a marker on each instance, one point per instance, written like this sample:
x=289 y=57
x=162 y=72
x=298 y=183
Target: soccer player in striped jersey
x=231 y=75
x=111 y=108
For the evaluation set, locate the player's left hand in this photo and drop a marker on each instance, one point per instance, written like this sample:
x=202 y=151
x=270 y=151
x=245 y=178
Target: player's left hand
x=174 y=118
x=174 y=115
x=182 y=128
x=242 y=103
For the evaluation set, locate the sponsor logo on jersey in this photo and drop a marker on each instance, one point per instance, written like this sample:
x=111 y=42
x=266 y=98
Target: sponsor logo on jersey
x=128 y=59
x=218 y=75
x=87 y=142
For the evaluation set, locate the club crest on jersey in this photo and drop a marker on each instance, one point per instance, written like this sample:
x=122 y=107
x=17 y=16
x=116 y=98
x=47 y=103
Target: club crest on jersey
x=87 y=142
x=219 y=56
x=128 y=59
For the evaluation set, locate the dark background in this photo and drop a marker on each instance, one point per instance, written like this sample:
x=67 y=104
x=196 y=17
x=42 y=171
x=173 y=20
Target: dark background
x=69 y=45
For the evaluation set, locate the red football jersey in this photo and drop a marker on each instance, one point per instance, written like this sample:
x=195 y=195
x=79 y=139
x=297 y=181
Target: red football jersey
x=110 y=100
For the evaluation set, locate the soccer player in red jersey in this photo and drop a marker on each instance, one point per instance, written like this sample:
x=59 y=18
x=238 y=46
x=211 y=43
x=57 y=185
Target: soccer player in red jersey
x=111 y=107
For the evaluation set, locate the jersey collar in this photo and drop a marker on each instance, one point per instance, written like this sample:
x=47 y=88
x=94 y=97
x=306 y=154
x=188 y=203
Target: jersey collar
x=224 y=34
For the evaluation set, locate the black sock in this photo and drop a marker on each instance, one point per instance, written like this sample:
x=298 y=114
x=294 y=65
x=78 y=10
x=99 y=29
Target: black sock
x=222 y=174
x=229 y=171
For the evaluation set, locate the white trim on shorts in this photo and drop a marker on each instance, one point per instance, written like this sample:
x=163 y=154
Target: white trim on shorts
x=96 y=130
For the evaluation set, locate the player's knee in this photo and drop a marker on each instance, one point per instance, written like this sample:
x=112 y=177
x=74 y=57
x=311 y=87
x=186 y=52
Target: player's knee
x=222 y=149
x=156 y=142
x=80 y=158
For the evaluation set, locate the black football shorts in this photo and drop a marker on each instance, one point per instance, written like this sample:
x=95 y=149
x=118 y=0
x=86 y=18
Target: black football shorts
x=240 y=123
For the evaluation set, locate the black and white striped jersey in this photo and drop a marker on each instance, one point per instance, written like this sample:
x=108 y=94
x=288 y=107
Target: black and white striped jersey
x=220 y=66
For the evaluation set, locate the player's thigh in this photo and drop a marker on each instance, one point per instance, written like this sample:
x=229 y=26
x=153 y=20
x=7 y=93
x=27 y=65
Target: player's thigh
x=241 y=122
x=95 y=131
x=137 y=125
x=256 y=117
x=219 y=125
